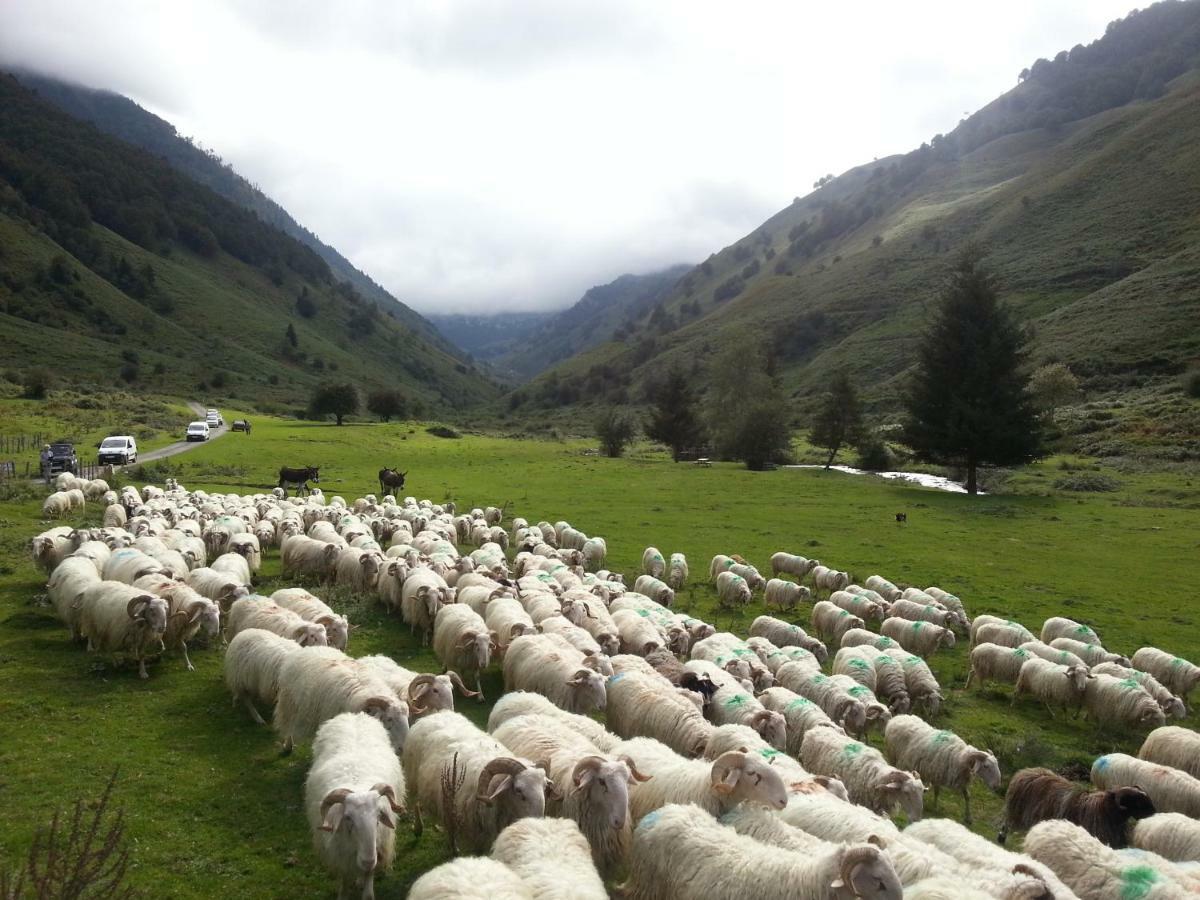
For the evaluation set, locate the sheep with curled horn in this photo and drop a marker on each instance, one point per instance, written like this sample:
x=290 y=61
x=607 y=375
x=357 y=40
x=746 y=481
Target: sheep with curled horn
x=462 y=641
x=121 y=619
x=425 y=693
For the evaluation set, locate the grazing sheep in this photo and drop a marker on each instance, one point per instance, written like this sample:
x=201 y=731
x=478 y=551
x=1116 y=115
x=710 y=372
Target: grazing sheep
x=858 y=605
x=800 y=715
x=313 y=609
x=495 y=786
x=733 y=590
x=303 y=555
x=549 y=665
x=658 y=591
x=649 y=706
x=188 y=614
x=1003 y=635
x=985 y=619
x=216 y=586
x=424 y=693
x=921 y=638
x=1173 y=746
x=992 y=662
x=1035 y=795
x=720 y=563
x=784 y=634
x=1172 y=706
x=1058 y=626
x=857 y=637
x=1121 y=702
x=579 y=639
x=845 y=710
x=1173 y=836
x=858 y=663
x=869 y=778
x=508 y=620
x=1174 y=672
x=66 y=587
x=653 y=563
x=829 y=580
x=594 y=551
x=462 y=641
x=358 y=569
x=598 y=622
x=917 y=612
x=677 y=571
x=732 y=706
x=1051 y=683
x=721 y=864
x=598 y=797
x=715 y=786
x=636 y=632
x=524 y=703
x=883 y=587
x=252 y=663
x=56 y=505
x=831 y=622
x=118 y=618
x=1090 y=869
x=352 y=794
x=791 y=564
x=751 y=574
x=115 y=516
x=890 y=682
x=552 y=857
x=773 y=657
x=785 y=595
x=1050 y=654
x=259 y=612
x=941 y=758
x=319 y=683
x=1170 y=789
x=1090 y=653
x=51 y=547
x=877 y=715
x=470 y=878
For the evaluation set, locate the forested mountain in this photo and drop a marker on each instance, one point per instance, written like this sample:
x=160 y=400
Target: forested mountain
x=485 y=337
x=124 y=119
x=1083 y=181
x=116 y=266
x=607 y=311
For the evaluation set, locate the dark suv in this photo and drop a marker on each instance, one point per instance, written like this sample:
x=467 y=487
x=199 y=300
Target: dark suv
x=63 y=458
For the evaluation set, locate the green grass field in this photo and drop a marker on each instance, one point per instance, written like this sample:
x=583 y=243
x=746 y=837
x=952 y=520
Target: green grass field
x=212 y=808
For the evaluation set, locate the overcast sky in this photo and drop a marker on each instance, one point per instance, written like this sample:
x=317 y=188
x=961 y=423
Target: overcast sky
x=484 y=156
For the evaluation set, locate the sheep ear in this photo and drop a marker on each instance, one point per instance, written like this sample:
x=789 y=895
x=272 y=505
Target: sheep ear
x=837 y=884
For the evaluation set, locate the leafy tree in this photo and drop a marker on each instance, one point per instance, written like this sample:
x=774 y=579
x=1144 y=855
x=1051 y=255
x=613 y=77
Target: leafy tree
x=969 y=402
x=36 y=384
x=387 y=404
x=615 y=431
x=673 y=419
x=749 y=412
x=839 y=420
x=1052 y=386
x=334 y=398
x=305 y=305
x=290 y=334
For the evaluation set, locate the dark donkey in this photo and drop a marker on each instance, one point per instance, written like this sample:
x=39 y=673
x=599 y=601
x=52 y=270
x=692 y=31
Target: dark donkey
x=390 y=481
x=299 y=477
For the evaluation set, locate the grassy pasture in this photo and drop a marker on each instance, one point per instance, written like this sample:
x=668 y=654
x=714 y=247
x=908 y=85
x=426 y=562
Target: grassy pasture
x=213 y=809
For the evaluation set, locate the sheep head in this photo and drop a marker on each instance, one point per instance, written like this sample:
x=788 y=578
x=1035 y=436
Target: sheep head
x=475 y=648
x=518 y=789
x=983 y=765
x=605 y=784
x=599 y=663
x=1132 y=802
x=587 y=690
x=900 y=703
x=1077 y=676
x=866 y=872
x=393 y=714
x=360 y=814
x=148 y=612
x=738 y=775
x=770 y=725
x=946 y=638
x=904 y=789
x=337 y=629
x=310 y=634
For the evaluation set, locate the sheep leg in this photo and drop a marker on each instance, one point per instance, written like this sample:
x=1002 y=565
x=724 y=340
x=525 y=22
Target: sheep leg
x=478 y=687
x=1050 y=709
x=368 y=889
x=966 y=806
x=142 y=673
x=288 y=745
x=1002 y=834
x=254 y=713
x=187 y=660
x=418 y=821
x=937 y=790
x=970 y=675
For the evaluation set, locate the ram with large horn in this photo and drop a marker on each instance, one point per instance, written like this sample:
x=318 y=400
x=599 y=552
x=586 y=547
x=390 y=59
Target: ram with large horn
x=423 y=593
x=462 y=641
x=424 y=693
x=492 y=785
x=188 y=613
x=121 y=619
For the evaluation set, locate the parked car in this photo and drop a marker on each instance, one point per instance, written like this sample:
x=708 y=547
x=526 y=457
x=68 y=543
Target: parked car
x=198 y=431
x=214 y=418
x=240 y=425
x=118 y=449
x=61 y=457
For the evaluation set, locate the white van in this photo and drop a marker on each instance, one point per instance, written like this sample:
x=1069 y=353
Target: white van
x=198 y=431
x=118 y=449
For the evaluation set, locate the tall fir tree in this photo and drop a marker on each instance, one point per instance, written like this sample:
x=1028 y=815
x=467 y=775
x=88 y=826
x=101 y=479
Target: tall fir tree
x=838 y=423
x=969 y=403
x=673 y=420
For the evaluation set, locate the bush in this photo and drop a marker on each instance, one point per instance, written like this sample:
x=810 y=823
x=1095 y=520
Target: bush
x=1191 y=384
x=36 y=384
x=874 y=456
x=1091 y=482
x=615 y=430
x=443 y=431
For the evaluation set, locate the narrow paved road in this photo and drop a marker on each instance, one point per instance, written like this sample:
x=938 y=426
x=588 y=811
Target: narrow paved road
x=183 y=446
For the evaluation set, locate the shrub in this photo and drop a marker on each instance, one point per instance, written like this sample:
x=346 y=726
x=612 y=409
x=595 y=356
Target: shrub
x=874 y=456
x=615 y=430
x=1191 y=384
x=1091 y=482
x=443 y=431
x=36 y=384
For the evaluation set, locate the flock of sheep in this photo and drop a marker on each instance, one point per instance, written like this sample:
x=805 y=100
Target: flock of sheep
x=723 y=766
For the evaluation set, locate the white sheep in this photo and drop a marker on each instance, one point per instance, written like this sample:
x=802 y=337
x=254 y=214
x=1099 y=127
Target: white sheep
x=682 y=853
x=785 y=595
x=313 y=609
x=65 y=588
x=981 y=620
x=118 y=618
x=493 y=787
x=234 y=565
x=1121 y=702
x=656 y=590
x=653 y=563
x=423 y=692
x=188 y=613
x=1090 y=653
x=883 y=587
x=860 y=605
x=649 y=706
x=252 y=663
x=992 y=662
x=799 y=714
x=677 y=571
x=115 y=516
x=56 y=505
x=1173 y=836
x=596 y=795
x=1003 y=634
x=470 y=878
x=1059 y=626
x=636 y=632
x=831 y=621
x=1174 y=672
x=877 y=714
x=1092 y=869
x=549 y=665
x=791 y=564
x=941 y=758
x=1051 y=683
x=733 y=590
x=319 y=683
x=844 y=709
x=422 y=596
x=732 y=706
x=917 y=612
x=51 y=547
x=216 y=586
x=525 y=703
x=303 y=555
x=358 y=569
x=869 y=778
x=462 y=641
x=858 y=663
x=921 y=638
x=507 y=619
x=1172 y=706
x=751 y=574
x=128 y=564
x=720 y=563
x=551 y=856
x=773 y=657
x=1169 y=789
x=579 y=639
x=1173 y=746
x=829 y=580
x=353 y=792
x=919 y=680
x=1050 y=654
x=784 y=634
x=248 y=547
x=858 y=637
x=259 y=612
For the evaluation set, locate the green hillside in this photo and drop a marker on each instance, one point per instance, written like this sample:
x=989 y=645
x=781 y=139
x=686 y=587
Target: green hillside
x=122 y=118
x=116 y=268
x=1084 y=183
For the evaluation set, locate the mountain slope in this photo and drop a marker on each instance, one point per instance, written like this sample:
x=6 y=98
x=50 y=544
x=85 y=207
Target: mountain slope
x=1083 y=181
x=122 y=118
x=486 y=337
x=114 y=266
x=617 y=307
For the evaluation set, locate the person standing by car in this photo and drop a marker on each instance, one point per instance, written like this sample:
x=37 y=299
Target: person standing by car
x=46 y=462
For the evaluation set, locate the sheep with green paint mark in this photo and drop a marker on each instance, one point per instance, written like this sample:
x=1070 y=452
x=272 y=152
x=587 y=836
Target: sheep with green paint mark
x=800 y=715
x=860 y=605
x=773 y=657
x=733 y=706
x=1093 y=870
x=858 y=663
x=1050 y=654
x=1175 y=672
x=919 y=680
x=1121 y=702
x=992 y=662
x=653 y=563
x=941 y=758
x=869 y=778
x=1060 y=626
x=921 y=638
x=1089 y=653
x=831 y=621
x=877 y=714
x=785 y=634
x=848 y=712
